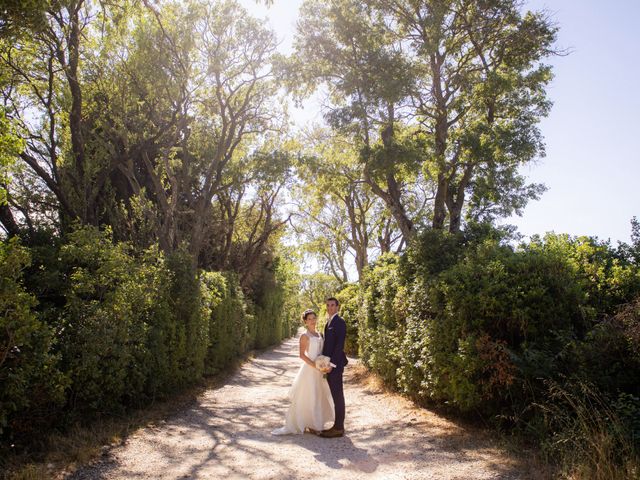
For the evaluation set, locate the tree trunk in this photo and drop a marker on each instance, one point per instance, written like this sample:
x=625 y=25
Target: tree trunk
x=8 y=221
x=441 y=138
x=75 y=115
x=439 y=206
x=454 y=205
x=392 y=196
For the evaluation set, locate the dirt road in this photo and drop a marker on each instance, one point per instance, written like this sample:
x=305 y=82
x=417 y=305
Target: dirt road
x=226 y=435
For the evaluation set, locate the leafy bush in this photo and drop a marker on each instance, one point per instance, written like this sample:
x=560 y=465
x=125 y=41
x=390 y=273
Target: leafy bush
x=117 y=327
x=30 y=381
x=609 y=354
x=609 y=277
x=191 y=311
x=231 y=327
x=474 y=323
x=479 y=331
x=349 y=298
x=119 y=338
x=382 y=317
x=268 y=311
x=277 y=302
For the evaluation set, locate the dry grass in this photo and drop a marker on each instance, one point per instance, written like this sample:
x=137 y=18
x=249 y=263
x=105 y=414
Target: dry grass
x=369 y=380
x=590 y=440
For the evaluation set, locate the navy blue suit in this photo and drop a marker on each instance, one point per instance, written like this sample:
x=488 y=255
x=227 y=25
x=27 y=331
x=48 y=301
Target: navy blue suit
x=334 y=336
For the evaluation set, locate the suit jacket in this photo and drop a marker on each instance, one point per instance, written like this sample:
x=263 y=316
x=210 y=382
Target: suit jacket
x=334 y=337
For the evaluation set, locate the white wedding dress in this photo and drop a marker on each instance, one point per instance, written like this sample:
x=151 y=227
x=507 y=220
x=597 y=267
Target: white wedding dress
x=311 y=402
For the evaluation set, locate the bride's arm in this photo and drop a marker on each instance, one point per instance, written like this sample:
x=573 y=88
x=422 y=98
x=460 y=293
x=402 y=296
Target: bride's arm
x=304 y=343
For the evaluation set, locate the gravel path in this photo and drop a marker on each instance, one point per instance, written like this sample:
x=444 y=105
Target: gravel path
x=226 y=434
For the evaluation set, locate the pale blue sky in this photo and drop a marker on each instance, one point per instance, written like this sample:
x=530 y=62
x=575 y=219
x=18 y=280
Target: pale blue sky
x=592 y=167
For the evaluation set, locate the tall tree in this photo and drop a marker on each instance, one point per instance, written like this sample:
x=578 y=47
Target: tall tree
x=345 y=46
x=145 y=117
x=446 y=94
x=45 y=99
x=479 y=97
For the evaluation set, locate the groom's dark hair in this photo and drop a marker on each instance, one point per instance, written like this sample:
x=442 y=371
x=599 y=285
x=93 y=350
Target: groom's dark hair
x=333 y=299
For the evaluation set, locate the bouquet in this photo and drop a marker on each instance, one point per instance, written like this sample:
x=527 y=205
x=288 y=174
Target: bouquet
x=322 y=362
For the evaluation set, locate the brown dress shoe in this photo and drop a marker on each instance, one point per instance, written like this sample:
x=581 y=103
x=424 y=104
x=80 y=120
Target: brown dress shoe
x=315 y=432
x=332 y=433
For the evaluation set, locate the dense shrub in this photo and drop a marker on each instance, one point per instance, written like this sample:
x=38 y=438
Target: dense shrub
x=191 y=311
x=269 y=301
x=231 y=327
x=276 y=301
x=481 y=331
x=471 y=322
x=609 y=354
x=349 y=298
x=29 y=378
x=117 y=327
x=131 y=327
x=608 y=276
x=382 y=317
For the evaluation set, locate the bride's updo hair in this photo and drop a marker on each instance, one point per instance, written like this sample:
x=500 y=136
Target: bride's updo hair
x=306 y=313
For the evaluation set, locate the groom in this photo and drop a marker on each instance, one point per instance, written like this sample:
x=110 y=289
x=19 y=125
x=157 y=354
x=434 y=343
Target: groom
x=335 y=332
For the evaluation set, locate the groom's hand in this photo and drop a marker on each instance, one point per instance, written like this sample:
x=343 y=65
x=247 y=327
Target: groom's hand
x=328 y=369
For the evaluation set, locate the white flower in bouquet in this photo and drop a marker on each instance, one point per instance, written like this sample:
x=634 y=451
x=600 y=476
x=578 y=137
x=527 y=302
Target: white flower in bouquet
x=322 y=362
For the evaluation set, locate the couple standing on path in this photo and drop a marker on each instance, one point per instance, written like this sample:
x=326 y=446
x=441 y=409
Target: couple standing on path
x=314 y=400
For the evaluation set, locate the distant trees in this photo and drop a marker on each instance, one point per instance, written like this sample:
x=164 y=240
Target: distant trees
x=340 y=217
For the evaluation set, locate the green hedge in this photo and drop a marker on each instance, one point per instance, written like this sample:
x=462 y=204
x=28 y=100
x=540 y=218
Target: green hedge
x=29 y=377
x=231 y=328
x=477 y=325
x=381 y=323
x=94 y=327
x=481 y=331
x=349 y=298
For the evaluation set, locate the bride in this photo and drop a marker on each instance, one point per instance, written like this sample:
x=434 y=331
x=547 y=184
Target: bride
x=311 y=403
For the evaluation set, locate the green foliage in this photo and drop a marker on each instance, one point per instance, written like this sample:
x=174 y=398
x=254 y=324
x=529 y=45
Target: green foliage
x=117 y=327
x=29 y=377
x=191 y=335
x=382 y=318
x=289 y=279
x=316 y=288
x=231 y=328
x=126 y=327
x=481 y=328
x=349 y=298
x=156 y=128
x=269 y=301
x=10 y=147
x=609 y=354
x=334 y=201
x=274 y=301
x=20 y=16
x=471 y=322
x=608 y=276
x=470 y=75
